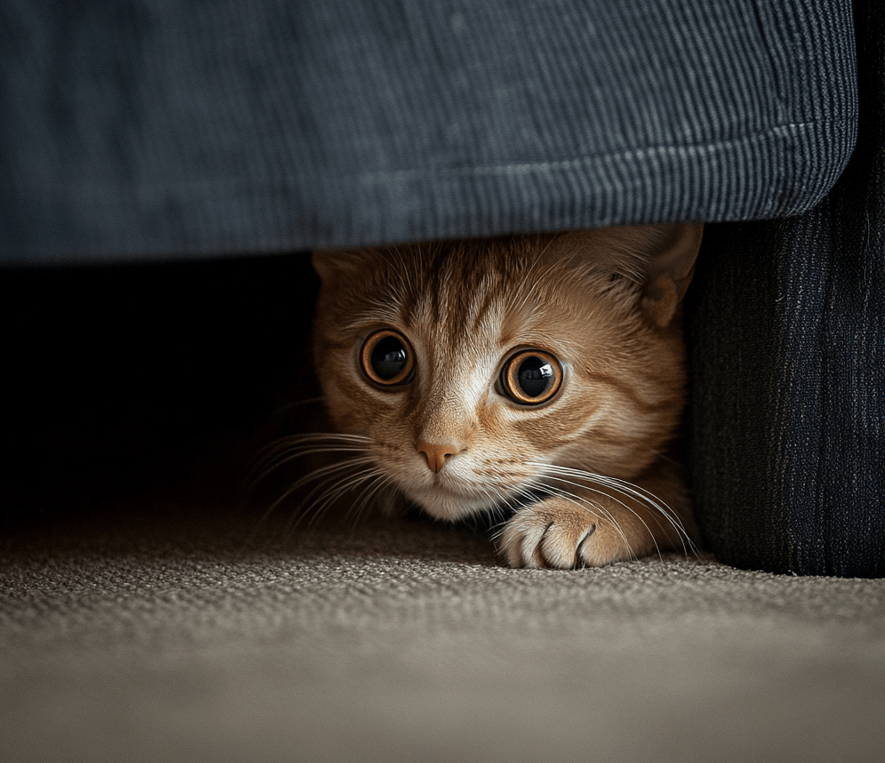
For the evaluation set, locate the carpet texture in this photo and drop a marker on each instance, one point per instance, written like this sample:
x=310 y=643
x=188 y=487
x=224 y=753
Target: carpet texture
x=174 y=637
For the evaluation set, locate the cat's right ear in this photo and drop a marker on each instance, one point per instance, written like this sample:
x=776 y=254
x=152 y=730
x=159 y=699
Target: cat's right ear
x=332 y=265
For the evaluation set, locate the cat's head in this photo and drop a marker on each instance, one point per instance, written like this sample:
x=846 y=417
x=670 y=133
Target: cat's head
x=471 y=365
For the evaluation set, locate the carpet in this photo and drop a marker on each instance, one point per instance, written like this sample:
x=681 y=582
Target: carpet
x=186 y=635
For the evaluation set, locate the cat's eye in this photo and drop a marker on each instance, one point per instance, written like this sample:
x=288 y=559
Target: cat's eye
x=531 y=377
x=387 y=358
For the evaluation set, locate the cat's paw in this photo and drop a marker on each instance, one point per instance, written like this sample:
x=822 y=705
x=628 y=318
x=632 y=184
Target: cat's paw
x=558 y=533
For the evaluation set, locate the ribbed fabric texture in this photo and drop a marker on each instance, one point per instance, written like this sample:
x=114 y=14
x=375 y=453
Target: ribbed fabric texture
x=160 y=127
x=788 y=346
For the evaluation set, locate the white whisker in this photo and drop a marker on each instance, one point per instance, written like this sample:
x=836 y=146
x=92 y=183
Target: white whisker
x=628 y=490
x=312 y=510
x=373 y=486
x=354 y=470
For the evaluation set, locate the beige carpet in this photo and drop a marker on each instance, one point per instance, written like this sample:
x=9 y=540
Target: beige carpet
x=176 y=639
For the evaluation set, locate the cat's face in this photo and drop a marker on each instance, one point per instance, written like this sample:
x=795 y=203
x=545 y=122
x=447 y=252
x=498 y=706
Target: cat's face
x=471 y=367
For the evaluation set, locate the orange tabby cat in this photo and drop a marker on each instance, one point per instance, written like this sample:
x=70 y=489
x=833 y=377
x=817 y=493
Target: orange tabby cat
x=543 y=373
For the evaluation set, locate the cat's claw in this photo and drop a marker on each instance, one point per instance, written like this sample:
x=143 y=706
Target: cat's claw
x=558 y=534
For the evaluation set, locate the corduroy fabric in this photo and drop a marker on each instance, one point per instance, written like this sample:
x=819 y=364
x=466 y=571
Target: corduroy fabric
x=161 y=127
x=788 y=432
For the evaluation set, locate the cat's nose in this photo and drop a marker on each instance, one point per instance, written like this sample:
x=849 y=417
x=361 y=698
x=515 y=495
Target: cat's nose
x=436 y=455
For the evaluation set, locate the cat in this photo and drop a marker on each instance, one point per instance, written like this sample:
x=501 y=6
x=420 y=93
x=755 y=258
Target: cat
x=536 y=376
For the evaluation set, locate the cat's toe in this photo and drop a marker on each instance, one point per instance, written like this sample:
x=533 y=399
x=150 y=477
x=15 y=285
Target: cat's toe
x=562 y=547
x=521 y=541
x=544 y=537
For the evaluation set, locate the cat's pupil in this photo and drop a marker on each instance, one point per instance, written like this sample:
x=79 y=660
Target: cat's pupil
x=534 y=376
x=389 y=357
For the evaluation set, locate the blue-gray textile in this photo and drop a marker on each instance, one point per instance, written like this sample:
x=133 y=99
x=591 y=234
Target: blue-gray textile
x=788 y=348
x=145 y=128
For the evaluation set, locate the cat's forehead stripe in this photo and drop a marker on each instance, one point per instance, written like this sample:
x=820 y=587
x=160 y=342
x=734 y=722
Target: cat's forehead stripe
x=474 y=296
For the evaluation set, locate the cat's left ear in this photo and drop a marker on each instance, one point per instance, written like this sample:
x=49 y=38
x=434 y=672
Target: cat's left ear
x=669 y=270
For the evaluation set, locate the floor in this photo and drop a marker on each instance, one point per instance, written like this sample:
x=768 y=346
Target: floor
x=183 y=635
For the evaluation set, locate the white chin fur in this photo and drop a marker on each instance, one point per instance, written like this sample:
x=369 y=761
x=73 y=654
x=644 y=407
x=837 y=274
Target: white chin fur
x=451 y=507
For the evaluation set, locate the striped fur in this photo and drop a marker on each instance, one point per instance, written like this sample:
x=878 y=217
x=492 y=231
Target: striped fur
x=604 y=302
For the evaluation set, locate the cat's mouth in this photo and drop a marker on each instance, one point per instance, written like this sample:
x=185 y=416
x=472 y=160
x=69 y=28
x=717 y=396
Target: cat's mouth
x=456 y=494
